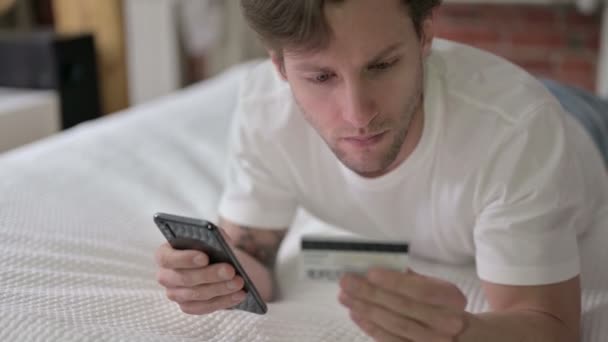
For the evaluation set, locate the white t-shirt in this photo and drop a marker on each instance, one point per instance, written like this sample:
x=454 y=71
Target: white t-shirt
x=502 y=176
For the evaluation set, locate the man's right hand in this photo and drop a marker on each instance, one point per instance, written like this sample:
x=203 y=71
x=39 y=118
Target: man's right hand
x=198 y=288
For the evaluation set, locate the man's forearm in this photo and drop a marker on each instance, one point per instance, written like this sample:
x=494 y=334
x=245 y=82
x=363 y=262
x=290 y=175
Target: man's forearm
x=256 y=249
x=260 y=275
x=520 y=326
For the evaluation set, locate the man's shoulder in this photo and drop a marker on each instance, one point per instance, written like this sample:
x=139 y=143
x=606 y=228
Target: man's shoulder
x=262 y=83
x=267 y=109
x=487 y=84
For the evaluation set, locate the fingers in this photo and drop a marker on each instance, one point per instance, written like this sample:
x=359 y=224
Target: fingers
x=204 y=292
x=215 y=304
x=395 y=323
x=197 y=286
x=367 y=298
x=361 y=313
x=168 y=257
x=192 y=277
x=422 y=288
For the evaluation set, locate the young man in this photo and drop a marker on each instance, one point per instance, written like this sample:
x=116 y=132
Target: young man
x=364 y=123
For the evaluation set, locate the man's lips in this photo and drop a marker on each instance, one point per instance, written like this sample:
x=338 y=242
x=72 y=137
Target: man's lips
x=365 y=140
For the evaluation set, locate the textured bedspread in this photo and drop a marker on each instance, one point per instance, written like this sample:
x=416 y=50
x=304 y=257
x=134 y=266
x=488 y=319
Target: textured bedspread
x=77 y=238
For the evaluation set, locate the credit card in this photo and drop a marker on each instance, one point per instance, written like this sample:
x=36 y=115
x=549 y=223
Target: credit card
x=326 y=258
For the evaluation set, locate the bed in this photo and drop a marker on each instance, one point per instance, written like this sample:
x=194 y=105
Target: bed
x=77 y=237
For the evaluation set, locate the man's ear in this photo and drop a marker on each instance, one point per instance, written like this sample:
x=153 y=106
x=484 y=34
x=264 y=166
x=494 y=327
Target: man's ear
x=279 y=64
x=428 y=33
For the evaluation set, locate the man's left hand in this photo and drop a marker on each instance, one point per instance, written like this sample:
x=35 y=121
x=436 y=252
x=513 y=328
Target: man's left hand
x=404 y=306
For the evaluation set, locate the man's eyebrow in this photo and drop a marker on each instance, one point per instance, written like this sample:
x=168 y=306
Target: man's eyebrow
x=311 y=67
x=390 y=49
x=387 y=51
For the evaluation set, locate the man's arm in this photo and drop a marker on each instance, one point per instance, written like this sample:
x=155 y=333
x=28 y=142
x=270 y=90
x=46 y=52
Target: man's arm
x=529 y=313
x=406 y=306
x=256 y=249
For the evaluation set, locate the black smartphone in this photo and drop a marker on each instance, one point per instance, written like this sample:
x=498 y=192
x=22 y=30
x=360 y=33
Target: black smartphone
x=190 y=233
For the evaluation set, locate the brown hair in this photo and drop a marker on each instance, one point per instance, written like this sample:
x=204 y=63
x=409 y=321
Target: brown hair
x=301 y=24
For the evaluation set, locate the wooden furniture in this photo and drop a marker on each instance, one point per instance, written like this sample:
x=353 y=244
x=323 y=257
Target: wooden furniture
x=104 y=20
x=5 y=5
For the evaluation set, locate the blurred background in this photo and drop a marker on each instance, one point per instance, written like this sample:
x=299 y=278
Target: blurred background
x=63 y=62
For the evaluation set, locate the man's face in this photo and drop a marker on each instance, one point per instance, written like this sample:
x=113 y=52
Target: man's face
x=361 y=91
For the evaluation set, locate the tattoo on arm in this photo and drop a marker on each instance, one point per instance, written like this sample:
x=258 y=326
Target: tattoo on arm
x=263 y=245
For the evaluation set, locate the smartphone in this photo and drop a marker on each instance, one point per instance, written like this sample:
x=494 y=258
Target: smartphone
x=190 y=233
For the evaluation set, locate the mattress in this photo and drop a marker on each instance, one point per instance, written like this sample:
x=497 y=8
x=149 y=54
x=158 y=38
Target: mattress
x=77 y=238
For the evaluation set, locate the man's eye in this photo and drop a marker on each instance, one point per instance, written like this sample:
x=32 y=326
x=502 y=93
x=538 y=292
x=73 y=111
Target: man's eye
x=322 y=78
x=383 y=65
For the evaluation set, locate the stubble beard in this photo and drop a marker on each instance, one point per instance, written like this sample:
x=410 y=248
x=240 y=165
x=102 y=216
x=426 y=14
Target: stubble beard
x=375 y=168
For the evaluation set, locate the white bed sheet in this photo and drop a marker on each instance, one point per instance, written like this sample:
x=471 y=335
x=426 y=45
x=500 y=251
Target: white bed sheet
x=77 y=239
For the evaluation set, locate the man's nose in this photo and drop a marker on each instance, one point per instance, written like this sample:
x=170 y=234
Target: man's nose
x=358 y=107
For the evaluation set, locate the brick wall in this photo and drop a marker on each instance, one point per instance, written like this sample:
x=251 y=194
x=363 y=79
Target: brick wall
x=551 y=41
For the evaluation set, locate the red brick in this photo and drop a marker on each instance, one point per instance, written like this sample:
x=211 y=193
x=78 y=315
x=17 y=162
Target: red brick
x=539 y=37
x=537 y=67
x=492 y=47
x=576 y=20
x=553 y=41
x=460 y=11
x=503 y=14
x=469 y=34
x=513 y=16
x=577 y=64
x=592 y=40
x=541 y=15
x=582 y=80
x=494 y=16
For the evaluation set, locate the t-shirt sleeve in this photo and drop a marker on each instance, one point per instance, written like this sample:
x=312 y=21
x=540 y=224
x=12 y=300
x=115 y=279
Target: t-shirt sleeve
x=531 y=204
x=258 y=190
